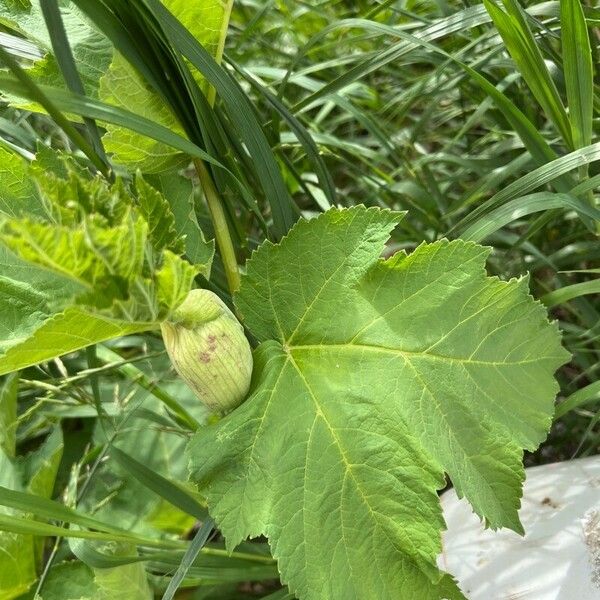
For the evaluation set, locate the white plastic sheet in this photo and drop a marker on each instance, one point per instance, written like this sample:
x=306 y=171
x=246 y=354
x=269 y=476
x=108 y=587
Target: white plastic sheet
x=559 y=557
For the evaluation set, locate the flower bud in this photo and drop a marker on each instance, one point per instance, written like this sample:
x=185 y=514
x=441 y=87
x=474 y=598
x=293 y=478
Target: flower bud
x=209 y=350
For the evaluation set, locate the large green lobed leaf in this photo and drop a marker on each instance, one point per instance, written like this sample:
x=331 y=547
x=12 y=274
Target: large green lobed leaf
x=373 y=380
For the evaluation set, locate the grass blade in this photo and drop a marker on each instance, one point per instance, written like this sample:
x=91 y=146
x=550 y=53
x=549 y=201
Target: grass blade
x=49 y=509
x=241 y=113
x=35 y=93
x=239 y=108
x=564 y=294
x=520 y=42
x=578 y=69
x=465 y=19
x=521 y=207
x=66 y=63
x=585 y=395
x=159 y=485
x=304 y=137
x=189 y=557
x=85 y=106
x=23 y=526
x=547 y=173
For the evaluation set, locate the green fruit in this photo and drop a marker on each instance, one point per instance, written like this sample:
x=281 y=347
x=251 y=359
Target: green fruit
x=209 y=350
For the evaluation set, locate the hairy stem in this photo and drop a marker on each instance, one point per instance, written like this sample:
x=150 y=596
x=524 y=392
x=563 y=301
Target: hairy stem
x=222 y=236
x=210 y=193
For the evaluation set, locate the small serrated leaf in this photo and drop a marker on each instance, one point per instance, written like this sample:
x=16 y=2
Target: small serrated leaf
x=17 y=194
x=174 y=280
x=56 y=248
x=121 y=249
x=179 y=193
x=156 y=211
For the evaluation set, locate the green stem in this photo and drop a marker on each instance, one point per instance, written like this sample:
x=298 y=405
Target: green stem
x=215 y=206
x=220 y=225
x=227 y=6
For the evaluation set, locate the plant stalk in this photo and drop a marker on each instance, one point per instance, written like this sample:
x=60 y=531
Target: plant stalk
x=220 y=225
x=215 y=206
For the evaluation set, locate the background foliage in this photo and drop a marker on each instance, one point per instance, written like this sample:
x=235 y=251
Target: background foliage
x=479 y=120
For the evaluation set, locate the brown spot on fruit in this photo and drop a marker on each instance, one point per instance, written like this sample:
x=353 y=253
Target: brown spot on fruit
x=205 y=357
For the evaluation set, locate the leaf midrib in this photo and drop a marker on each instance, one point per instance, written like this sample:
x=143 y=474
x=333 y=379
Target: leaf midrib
x=348 y=471
x=408 y=353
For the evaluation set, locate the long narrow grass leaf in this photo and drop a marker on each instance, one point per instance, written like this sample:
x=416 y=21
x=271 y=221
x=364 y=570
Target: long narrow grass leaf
x=188 y=559
x=578 y=70
x=49 y=509
x=520 y=42
x=521 y=207
x=66 y=62
x=569 y=292
x=24 y=526
x=543 y=175
x=101 y=111
x=589 y=393
x=35 y=93
x=159 y=485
